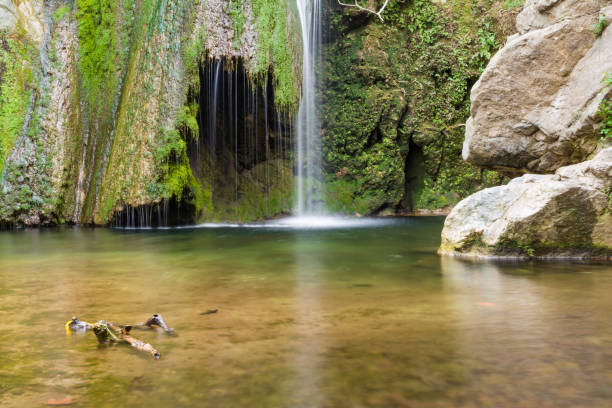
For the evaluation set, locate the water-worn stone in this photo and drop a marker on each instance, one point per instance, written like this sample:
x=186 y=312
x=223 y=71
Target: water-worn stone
x=535 y=107
x=565 y=214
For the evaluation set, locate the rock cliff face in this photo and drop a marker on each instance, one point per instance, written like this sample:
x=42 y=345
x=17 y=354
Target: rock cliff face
x=535 y=107
x=396 y=97
x=98 y=99
x=539 y=107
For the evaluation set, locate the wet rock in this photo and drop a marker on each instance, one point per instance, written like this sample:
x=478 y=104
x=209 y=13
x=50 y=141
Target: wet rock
x=568 y=214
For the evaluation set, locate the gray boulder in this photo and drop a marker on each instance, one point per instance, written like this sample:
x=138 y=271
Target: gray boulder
x=568 y=214
x=534 y=109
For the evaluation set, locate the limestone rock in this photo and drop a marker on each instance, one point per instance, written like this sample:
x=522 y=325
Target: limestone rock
x=27 y=12
x=538 y=14
x=568 y=214
x=8 y=16
x=220 y=38
x=534 y=109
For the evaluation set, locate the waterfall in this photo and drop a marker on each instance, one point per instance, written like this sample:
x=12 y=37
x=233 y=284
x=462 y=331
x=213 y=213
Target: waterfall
x=308 y=126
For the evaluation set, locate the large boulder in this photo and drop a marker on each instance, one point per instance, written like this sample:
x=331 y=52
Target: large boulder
x=568 y=214
x=534 y=109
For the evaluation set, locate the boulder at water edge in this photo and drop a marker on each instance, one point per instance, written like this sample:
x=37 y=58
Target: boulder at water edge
x=566 y=214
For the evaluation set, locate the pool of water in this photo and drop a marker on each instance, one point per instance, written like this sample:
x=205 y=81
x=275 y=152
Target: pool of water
x=356 y=315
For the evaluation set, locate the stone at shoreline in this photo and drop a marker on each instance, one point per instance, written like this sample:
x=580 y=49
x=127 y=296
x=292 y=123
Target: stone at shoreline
x=534 y=109
x=565 y=215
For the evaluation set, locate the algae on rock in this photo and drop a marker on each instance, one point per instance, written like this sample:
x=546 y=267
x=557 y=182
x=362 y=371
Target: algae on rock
x=396 y=97
x=95 y=109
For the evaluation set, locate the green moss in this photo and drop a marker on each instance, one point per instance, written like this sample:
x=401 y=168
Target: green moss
x=274 y=52
x=60 y=13
x=397 y=95
x=601 y=25
x=513 y=4
x=174 y=172
x=236 y=12
x=605 y=111
x=256 y=196
x=98 y=43
x=16 y=89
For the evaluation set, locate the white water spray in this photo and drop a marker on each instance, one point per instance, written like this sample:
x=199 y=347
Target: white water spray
x=308 y=126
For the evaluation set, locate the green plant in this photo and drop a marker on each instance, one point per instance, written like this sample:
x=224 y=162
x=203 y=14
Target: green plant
x=60 y=13
x=601 y=25
x=526 y=249
x=488 y=43
x=15 y=90
x=273 y=51
x=512 y=4
x=397 y=96
x=236 y=13
x=605 y=111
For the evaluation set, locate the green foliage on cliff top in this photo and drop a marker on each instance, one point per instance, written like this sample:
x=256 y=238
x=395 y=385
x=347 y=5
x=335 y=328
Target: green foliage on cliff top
x=16 y=87
x=404 y=86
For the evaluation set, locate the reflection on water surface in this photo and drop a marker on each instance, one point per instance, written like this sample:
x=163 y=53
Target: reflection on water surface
x=367 y=316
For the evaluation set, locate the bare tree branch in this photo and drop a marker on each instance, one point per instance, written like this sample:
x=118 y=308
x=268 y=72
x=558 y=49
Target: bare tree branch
x=376 y=13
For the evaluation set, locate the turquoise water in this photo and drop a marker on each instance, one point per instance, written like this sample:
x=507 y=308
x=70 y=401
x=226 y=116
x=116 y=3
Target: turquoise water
x=359 y=315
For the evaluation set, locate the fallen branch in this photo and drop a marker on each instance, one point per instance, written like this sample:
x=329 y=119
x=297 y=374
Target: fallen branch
x=154 y=321
x=110 y=333
x=376 y=13
x=134 y=342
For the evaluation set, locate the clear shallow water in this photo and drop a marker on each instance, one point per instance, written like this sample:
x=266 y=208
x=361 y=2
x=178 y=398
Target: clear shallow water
x=367 y=316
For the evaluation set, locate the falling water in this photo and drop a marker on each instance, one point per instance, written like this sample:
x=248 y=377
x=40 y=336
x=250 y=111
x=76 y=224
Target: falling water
x=308 y=125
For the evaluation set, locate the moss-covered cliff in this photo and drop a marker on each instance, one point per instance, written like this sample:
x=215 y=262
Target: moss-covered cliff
x=396 y=99
x=97 y=112
x=107 y=106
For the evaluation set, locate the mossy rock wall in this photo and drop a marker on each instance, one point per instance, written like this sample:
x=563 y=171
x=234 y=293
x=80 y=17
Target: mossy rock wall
x=97 y=112
x=396 y=97
x=96 y=115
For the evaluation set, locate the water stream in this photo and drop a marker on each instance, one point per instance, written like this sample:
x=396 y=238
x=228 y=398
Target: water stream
x=308 y=148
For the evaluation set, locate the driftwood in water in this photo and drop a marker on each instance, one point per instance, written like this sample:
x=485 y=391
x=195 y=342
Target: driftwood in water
x=109 y=333
x=209 y=311
x=124 y=336
x=77 y=325
x=104 y=333
x=153 y=322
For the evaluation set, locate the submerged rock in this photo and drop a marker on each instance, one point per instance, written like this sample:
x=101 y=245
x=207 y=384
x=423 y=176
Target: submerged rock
x=568 y=214
x=534 y=109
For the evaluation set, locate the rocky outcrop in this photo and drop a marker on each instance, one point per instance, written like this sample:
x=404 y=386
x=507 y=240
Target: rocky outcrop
x=221 y=36
x=95 y=114
x=534 y=109
x=568 y=214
